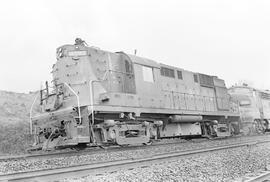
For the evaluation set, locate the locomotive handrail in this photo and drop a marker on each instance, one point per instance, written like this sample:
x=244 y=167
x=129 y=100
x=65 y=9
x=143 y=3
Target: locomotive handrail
x=186 y=93
x=30 y=113
x=78 y=101
x=92 y=100
x=92 y=94
x=122 y=72
x=92 y=106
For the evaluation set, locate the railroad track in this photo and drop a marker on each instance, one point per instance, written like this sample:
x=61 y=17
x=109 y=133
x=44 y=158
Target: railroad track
x=95 y=149
x=106 y=167
x=90 y=150
x=45 y=154
x=264 y=177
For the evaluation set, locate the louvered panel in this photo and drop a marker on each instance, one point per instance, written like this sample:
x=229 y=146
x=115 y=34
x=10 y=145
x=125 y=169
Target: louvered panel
x=265 y=95
x=206 y=80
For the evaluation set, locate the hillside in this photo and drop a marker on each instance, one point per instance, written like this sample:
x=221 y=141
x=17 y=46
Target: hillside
x=14 y=121
x=15 y=107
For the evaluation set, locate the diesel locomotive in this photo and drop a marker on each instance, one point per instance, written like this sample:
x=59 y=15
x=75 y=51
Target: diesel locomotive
x=254 y=107
x=103 y=98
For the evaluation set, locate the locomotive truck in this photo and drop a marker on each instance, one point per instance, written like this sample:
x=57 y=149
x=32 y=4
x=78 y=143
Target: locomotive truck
x=103 y=98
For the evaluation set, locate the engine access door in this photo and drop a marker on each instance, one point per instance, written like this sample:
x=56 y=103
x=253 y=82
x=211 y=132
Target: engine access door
x=128 y=74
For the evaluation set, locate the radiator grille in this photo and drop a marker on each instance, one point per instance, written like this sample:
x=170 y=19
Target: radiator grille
x=265 y=95
x=206 y=80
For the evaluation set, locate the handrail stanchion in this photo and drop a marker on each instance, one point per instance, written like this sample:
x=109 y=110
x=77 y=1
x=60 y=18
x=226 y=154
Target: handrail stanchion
x=78 y=101
x=31 y=109
x=92 y=108
x=92 y=102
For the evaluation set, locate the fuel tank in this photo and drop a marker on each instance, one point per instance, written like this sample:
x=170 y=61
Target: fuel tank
x=185 y=118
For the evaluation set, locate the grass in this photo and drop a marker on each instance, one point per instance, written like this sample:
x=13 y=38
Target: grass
x=14 y=139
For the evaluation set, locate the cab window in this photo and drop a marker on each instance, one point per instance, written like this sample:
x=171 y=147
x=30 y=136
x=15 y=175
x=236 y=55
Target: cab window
x=167 y=72
x=148 y=75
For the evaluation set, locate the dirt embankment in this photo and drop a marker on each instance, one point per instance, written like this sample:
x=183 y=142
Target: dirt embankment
x=14 y=121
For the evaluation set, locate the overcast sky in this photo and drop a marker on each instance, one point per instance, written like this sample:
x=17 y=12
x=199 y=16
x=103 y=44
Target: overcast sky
x=230 y=38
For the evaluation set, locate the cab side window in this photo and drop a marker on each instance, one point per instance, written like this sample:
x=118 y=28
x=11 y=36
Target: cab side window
x=148 y=74
x=128 y=66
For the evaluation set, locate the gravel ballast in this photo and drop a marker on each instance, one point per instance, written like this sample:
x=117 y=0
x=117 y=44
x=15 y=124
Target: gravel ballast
x=19 y=165
x=223 y=165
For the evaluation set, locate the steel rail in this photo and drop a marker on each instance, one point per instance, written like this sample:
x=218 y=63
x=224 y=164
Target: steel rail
x=90 y=150
x=85 y=169
x=265 y=176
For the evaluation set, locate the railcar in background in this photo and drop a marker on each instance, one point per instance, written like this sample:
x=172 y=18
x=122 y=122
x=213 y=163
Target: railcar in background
x=254 y=107
x=104 y=98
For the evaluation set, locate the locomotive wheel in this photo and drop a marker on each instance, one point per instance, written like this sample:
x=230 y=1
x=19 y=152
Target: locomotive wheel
x=125 y=145
x=80 y=146
x=148 y=143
